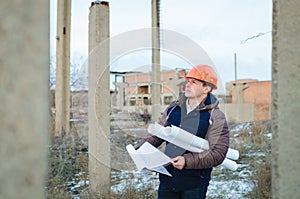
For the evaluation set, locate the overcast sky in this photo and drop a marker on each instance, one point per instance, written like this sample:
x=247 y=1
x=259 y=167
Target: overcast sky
x=221 y=28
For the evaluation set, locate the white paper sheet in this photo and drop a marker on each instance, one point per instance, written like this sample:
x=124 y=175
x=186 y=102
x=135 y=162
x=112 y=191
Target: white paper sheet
x=149 y=157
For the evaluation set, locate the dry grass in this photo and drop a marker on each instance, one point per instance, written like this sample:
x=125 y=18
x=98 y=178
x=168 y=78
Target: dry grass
x=262 y=185
x=254 y=143
x=68 y=165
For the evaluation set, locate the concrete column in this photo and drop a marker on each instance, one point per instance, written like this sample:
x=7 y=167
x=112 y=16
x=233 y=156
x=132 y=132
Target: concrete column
x=285 y=99
x=62 y=90
x=24 y=97
x=99 y=99
x=120 y=95
x=239 y=93
x=175 y=83
x=156 y=81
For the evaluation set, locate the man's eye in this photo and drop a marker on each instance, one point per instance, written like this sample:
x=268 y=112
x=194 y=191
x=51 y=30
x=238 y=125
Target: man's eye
x=192 y=81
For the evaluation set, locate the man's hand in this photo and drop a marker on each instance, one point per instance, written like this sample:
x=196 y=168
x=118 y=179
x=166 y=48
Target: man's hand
x=178 y=162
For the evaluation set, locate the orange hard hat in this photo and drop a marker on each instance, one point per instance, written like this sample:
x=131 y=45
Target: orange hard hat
x=204 y=73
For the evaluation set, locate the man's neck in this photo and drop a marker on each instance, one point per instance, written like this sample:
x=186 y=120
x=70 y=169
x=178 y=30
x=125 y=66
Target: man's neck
x=194 y=101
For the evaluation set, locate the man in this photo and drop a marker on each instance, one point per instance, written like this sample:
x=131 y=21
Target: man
x=197 y=112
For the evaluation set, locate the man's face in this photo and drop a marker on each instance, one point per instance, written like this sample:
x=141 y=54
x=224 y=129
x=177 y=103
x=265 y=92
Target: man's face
x=195 y=89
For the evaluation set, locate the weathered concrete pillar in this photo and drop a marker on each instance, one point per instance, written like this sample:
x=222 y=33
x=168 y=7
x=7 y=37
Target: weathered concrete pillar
x=285 y=102
x=24 y=97
x=62 y=89
x=174 y=86
x=239 y=94
x=120 y=96
x=99 y=99
x=156 y=80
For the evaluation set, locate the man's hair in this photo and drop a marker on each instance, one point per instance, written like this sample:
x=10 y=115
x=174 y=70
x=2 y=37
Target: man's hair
x=208 y=84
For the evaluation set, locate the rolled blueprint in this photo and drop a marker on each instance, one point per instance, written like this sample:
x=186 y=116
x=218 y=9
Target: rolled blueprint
x=190 y=142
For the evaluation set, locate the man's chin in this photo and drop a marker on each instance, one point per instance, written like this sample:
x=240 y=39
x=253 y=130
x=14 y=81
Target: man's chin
x=189 y=95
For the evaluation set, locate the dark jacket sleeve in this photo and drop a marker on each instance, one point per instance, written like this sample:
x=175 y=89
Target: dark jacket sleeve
x=218 y=139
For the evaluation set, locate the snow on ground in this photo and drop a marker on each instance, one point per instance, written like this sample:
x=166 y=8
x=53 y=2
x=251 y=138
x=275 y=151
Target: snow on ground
x=226 y=186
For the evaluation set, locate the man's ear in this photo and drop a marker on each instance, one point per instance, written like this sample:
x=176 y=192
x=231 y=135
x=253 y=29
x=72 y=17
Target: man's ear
x=207 y=89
